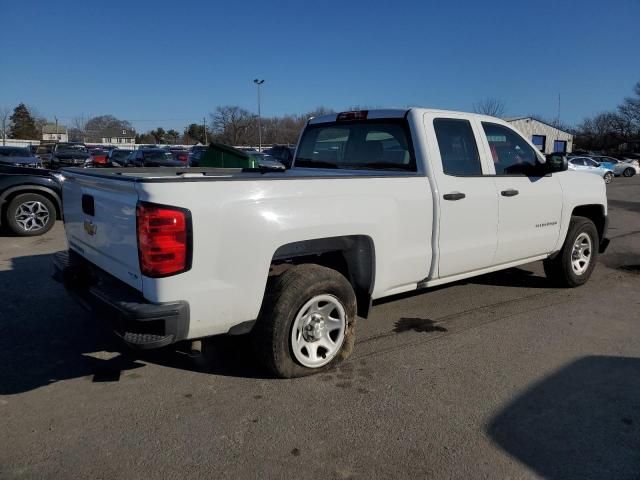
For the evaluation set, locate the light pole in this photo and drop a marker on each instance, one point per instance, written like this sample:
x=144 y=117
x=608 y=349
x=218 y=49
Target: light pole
x=258 y=83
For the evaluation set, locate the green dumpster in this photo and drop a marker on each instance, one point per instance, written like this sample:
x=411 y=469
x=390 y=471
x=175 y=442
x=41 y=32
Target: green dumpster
x=224 y=156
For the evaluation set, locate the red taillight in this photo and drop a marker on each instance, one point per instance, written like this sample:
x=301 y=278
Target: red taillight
x=183 y=157
x=100 y=159
x=164 y=240
x=357 y=115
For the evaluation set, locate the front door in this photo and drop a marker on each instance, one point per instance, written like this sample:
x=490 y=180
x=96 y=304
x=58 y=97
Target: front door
x=530 y=205
x=467 y=202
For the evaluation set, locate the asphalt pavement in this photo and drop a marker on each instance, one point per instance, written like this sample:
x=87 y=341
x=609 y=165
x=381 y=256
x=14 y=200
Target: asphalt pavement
x=499 y=376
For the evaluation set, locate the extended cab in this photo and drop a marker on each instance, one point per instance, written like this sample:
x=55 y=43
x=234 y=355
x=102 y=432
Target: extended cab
x=377 y=203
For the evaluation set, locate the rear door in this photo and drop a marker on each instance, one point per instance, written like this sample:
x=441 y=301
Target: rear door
x=530 y=205
x=100 y=223
x=468 y=207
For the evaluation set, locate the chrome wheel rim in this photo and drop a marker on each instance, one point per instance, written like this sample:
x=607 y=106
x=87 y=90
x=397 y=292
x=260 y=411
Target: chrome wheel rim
x=607 y=178
x=32 y=216
x=318 y=331
x=581 y=254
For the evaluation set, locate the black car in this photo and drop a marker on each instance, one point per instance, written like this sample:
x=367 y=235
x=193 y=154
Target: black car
x=18 y=157
x=152 y=157
x=68 y=154
x=282 y=153
x=29 y=200
x=118 y=157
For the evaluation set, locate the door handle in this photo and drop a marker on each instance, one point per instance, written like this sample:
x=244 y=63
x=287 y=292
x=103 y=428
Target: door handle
x=509 y=193
x=454 y=196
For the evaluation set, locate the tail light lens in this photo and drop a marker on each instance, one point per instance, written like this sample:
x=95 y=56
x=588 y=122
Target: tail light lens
x=183 y=157
x=164 y=239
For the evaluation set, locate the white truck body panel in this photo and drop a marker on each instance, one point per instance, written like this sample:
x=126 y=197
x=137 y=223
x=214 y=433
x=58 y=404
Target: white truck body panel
x=241 y=220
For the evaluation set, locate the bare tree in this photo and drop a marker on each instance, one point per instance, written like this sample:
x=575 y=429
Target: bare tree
x=78 y=130
x=5 y=112
x=231 y=124
x=490 y=106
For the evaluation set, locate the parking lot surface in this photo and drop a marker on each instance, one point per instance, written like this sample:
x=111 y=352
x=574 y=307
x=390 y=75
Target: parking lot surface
x=498 y=376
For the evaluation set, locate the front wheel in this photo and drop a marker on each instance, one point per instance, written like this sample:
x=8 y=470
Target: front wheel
x=573 y=265
x=307 y=321
x=608 y=177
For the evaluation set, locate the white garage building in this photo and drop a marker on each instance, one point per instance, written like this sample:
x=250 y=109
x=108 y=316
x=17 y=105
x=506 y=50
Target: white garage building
x=546 y=137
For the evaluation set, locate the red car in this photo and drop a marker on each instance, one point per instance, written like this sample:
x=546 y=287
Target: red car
x=99 y=156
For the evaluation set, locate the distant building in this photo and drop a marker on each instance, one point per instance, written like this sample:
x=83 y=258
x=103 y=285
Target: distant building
x=51 y=131
x=118 y=135
x=547 y=138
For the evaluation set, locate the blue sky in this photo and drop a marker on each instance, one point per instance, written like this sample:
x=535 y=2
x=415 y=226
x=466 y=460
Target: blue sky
x=171 y=63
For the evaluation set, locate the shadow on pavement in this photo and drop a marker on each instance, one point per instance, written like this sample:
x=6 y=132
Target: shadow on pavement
x=46 y=337
x=581 y=422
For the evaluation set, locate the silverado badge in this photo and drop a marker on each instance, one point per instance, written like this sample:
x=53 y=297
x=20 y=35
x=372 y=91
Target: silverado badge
x=90 y=228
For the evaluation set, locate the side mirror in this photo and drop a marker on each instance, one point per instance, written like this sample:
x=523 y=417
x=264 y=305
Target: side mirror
x=556 y=162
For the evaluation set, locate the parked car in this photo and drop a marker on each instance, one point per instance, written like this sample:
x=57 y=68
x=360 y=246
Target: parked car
x=180 y=154
x=99 y=157
x=29 y=200
x=152 y=157
x=195 y=154
x=619 y=167
x=18 y=157
x=372 y=207
x=44 y=152
x=586 y=164
x=68 y=154
x=282 y=153
x=118 y=157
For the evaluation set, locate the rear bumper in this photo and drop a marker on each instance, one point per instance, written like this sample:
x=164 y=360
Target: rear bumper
x=139 y=323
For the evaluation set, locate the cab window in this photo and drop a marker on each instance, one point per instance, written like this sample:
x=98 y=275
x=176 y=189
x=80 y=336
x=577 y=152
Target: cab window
x=458 y=149
x=511 y=154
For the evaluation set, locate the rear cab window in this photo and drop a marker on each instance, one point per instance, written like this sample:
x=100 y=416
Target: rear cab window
x=380 y=144
x=458 y=148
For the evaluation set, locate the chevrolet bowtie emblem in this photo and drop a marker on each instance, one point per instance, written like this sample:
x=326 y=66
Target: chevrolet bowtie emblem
x=89 y=227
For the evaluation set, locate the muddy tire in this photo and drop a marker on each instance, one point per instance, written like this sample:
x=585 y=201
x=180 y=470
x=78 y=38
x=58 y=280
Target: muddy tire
x=306 y=323
x=573 y=264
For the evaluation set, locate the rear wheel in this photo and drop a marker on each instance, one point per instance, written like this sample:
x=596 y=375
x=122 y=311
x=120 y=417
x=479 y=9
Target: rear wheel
x=573 y=265
x=307 y=321
x=629 y=172
x=30 y=214
x=608 y=177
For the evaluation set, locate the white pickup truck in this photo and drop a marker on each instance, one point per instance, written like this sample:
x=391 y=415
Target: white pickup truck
x=377 y=203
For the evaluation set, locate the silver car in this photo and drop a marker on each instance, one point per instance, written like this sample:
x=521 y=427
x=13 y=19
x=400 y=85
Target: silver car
x=626 y=168
x=586 y=164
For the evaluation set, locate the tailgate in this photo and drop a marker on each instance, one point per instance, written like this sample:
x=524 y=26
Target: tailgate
x=100 y=223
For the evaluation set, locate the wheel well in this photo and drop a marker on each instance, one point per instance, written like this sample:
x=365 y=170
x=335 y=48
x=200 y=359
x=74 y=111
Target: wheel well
x=45 y=193
x=353 y=256
x=595 y=213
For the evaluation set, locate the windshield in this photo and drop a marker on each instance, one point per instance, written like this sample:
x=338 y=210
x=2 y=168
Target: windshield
x=373 y=144
x=15 y=152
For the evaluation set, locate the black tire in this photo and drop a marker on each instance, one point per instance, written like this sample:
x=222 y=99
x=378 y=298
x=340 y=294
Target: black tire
x=22 y=203
x=559 y=270
x=285 y=297
x=629 y=172
x=608 y=177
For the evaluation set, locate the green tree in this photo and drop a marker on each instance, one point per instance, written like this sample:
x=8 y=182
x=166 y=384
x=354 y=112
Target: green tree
x=173 y=135
x=194 y=133
x=158 y=134
x=23 y=125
